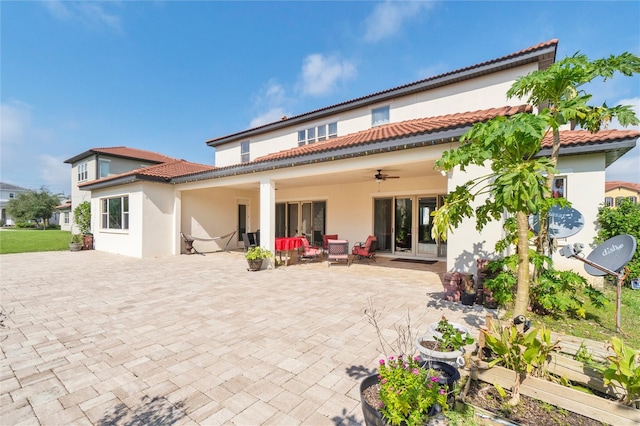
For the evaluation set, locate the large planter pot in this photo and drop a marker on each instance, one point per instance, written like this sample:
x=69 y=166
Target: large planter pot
x=75 y=246
x=592 y=406
x=453 y=358
x=373 y=417
x=87 y=242
x=255 y=264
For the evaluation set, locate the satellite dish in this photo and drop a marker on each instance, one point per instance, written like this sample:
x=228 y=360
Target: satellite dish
x=613 y=254
x=563 y=222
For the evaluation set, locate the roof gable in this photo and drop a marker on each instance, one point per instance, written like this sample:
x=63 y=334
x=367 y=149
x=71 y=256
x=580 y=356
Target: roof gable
x=123 y=152
x=614 y=184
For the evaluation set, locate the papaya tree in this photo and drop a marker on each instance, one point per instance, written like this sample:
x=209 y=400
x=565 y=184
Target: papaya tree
x=559 y=93
x=515 y=183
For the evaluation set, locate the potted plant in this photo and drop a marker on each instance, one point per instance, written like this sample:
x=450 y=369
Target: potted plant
x=447 y=348
x=406 y=391
x=76 y=242
x=82 y=217
x=255 y=257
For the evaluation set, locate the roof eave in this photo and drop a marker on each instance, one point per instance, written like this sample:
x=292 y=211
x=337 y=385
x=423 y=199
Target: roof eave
x=91 y=152
x=423 y=85
x=123 y=180
x=612 y=149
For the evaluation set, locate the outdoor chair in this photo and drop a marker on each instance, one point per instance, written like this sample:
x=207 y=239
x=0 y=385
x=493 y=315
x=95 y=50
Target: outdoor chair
x=366 y=250
x=338 y=250
x=325 y=240
x=249 y=240
x=309 y=252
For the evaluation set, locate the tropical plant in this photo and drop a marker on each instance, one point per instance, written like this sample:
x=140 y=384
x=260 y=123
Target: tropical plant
x=625 y=370
x=515 y=183
x=451 y=339
x=82 y=217
x=622 y=219
x=257 y=252
x=557 y=89
x=76 y=238
x=408 y=391
x=525 y=353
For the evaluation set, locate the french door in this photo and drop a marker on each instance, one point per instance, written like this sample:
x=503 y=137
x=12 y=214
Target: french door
x=301 y=217
x=403 y=226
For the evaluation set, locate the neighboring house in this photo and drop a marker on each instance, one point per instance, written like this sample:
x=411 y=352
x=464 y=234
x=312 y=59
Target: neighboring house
x=8 y=192
x=616 y=190
x=64 y=212
x=97 y=163
x=324 y=172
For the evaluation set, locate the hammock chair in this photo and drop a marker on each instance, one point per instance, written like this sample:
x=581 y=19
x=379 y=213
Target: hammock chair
x=189 y=239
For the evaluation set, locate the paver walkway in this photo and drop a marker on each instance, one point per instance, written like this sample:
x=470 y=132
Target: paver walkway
x=96 y=338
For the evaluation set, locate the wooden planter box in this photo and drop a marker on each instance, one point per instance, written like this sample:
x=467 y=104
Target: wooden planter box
x=591 y=406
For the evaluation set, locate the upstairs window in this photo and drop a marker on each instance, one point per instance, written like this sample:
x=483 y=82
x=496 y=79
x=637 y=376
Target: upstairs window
x=379 y=116
x=115 y=213
x=105 y=165
x=244 y=152
x=12 y=195
x=608 y=201
x=318 y=133
x=83 y=173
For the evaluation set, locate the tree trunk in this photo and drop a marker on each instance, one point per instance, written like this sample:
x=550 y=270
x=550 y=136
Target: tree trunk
x=522 y=292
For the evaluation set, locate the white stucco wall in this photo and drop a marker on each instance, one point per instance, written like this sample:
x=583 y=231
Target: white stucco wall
x=471 y=95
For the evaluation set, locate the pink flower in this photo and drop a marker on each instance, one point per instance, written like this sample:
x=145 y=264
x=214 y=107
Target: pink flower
x=381 y=362
x=416 y=359
x=391 y=358
x=416 y=371
x=383 y=381
x=434 y=379
x=441 y=391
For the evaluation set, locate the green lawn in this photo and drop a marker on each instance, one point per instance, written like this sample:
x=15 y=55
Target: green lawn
x=31 y=240
x=600 y=324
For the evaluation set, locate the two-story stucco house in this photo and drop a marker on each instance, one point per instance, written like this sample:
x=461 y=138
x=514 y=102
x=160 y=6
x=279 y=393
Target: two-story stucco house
x=97 y=163
x=616 y=190
x=323 y=172
x=8 y=192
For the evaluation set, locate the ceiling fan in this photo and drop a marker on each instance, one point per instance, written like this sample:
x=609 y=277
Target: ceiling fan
x=380 y=177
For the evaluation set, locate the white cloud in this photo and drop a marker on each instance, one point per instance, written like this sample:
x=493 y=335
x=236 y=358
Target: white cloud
x=271 y=103
x=274 y=114
x=389 y=17
x=320 y=74
x=90 y=14
x=26 y=160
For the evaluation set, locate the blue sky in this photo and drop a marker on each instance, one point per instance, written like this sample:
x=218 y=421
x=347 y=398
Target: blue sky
x=167 y=76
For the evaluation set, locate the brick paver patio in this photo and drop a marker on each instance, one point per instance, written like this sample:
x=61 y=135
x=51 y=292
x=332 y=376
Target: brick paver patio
x=96 y=338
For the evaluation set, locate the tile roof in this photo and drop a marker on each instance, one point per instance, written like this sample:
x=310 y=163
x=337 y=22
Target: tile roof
x=584 y=137
x=420 y=85
x=124 y=152
x=401 y=129
x=613 y=184
x=160 y=172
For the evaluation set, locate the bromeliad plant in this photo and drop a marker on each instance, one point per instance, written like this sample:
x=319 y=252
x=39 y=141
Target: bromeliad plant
x=525 y=353
x=408 y=391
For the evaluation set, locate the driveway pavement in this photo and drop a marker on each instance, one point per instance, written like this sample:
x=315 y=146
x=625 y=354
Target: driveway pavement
x=96 y=338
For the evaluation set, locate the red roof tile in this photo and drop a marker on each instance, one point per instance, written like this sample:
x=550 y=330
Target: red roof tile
x=124 y=152
x=613 y=184
x=162 y=172
x=461 y=71
x=402 y=129
x=584 y=137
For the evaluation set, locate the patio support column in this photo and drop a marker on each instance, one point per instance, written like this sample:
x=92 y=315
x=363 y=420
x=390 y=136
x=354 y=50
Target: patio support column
x=268 y=214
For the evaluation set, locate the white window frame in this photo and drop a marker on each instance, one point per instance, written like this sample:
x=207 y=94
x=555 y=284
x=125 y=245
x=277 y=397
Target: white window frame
x=105 y=214
x=66 y=218
x=608 y=201
x=12 y=195
x=245 y=152
x=633 y=199
x=100 y=163
x=380 y=116
x=83 y=171
x=318 y=133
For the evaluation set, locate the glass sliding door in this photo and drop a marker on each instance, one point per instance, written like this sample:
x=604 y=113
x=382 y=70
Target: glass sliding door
x=292 y=219
x=305 y=217
x=403 y=222
x=426 y=244
x=382 y=220
x=319 y=209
